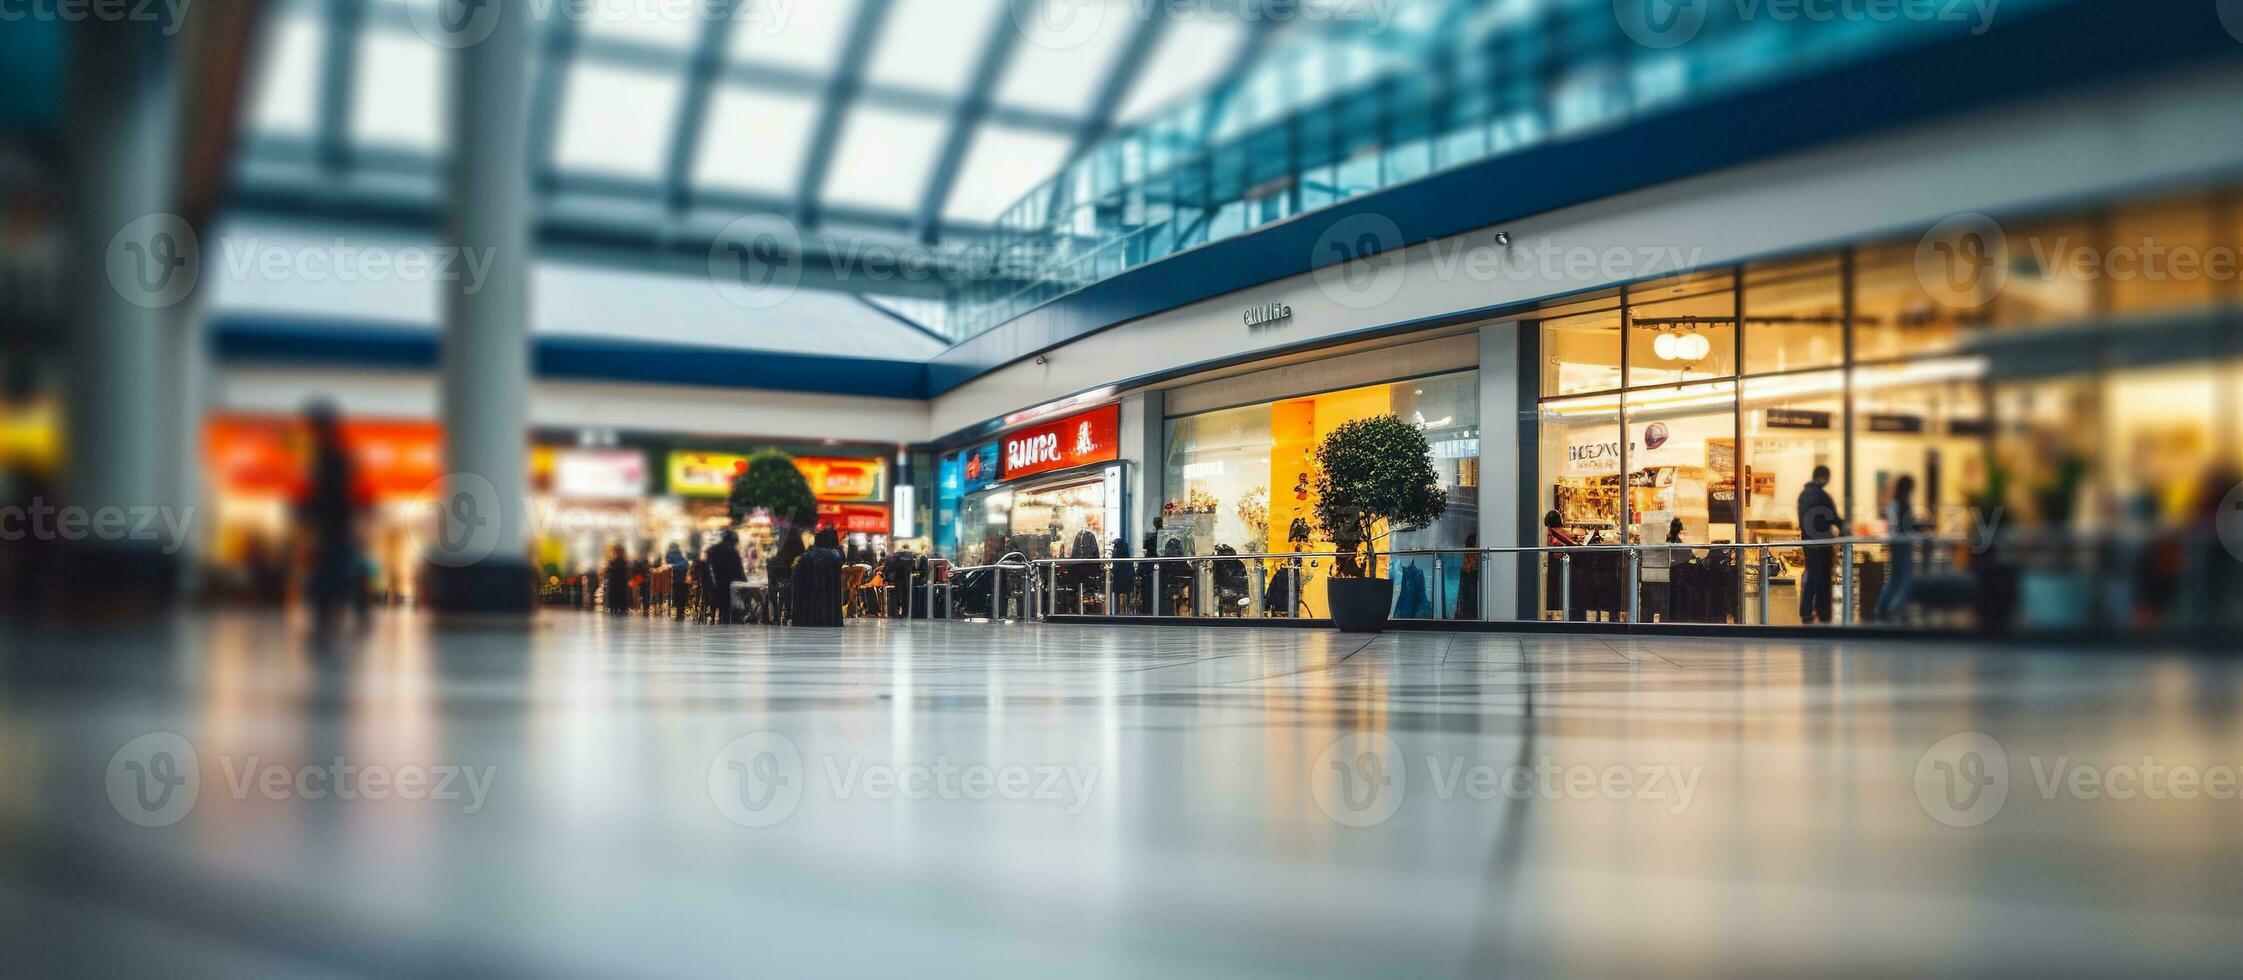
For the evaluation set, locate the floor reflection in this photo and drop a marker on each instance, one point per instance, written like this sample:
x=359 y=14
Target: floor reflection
x=600 y=796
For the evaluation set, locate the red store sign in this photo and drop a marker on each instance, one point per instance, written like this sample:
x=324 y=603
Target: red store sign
x=1077 y=440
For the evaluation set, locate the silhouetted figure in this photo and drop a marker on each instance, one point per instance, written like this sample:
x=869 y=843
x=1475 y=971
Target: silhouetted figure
x=723 y=559
x=779 y=571
x=618 y=582
x=1818 y=521
x=674 y=562
x=1900 y=521
x=817 y=583
x=897 y=572
x=1125 y=577
x=328 y=520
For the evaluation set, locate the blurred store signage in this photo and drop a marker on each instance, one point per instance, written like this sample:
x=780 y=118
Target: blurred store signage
x=270 y=456
x=703 y=474
x=599 y=474
x=1077 y=440
x=837 y=478
x=854 y=518
x=832 y=478
x=978 y=467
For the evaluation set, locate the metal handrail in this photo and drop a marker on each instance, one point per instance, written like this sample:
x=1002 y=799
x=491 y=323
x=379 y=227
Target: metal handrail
x=1845 y=591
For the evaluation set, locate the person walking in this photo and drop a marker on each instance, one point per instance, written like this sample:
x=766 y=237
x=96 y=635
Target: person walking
x=1818 y=521
x=1900 y=523
x=329 y=520
x=723 y=559
x=675 y=562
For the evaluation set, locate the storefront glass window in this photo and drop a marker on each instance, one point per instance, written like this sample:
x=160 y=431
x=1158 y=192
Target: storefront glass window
x=1581 y=353
x=1225 y=458
x=1239 y=479
x=2055 y=275
x=1926 y=421
x=1682 y=463
x=2165 y=255
x=1580 y=487
x=1894 y=315
x=1682 y=329
x=2045 y=444
x=1794 y=316
x=1792 y=424
x=2162 y=425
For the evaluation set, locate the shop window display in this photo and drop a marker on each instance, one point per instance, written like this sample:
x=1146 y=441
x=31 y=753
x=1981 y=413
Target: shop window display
x=1240 y=479
x=1682 y=489
x=2162 y=426
x=1792 y=424
x=1927 y=421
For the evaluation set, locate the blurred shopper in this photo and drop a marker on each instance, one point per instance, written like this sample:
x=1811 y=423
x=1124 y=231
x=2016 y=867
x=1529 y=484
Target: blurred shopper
x=1818 y=521
x=328 y=521
x=1125 y=577
x=723 y=559
x=1468 y=581
x=780 y=574
x=617 y=582
x=897 y=574
x=1900 y=523
x=673 y=561
x=1555 y=578
x=816 y=583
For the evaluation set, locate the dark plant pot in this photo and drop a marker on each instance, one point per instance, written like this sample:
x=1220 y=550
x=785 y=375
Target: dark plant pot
x=1360 y=605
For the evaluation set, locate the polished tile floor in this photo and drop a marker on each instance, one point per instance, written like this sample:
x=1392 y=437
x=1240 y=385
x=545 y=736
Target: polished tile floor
x=620 y=797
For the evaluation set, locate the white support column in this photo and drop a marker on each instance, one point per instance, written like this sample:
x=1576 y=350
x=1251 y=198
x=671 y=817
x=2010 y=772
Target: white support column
x=133 y=263
x=482 y=552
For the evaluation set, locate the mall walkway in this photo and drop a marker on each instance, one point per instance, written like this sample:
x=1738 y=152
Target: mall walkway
x=609 y=796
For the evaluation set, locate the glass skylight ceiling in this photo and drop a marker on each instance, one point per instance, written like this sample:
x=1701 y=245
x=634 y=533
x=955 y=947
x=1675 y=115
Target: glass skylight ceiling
x=901 y=139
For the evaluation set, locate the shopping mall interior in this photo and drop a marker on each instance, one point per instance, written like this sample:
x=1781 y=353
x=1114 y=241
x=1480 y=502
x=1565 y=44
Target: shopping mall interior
x=1202 y=487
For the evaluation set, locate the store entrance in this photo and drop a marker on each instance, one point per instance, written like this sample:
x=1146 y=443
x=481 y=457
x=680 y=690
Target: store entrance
x=1053 y=518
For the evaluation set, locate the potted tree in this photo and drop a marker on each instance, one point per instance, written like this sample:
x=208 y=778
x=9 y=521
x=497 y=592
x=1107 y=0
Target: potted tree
x=1374 y=477
x=771 y=482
